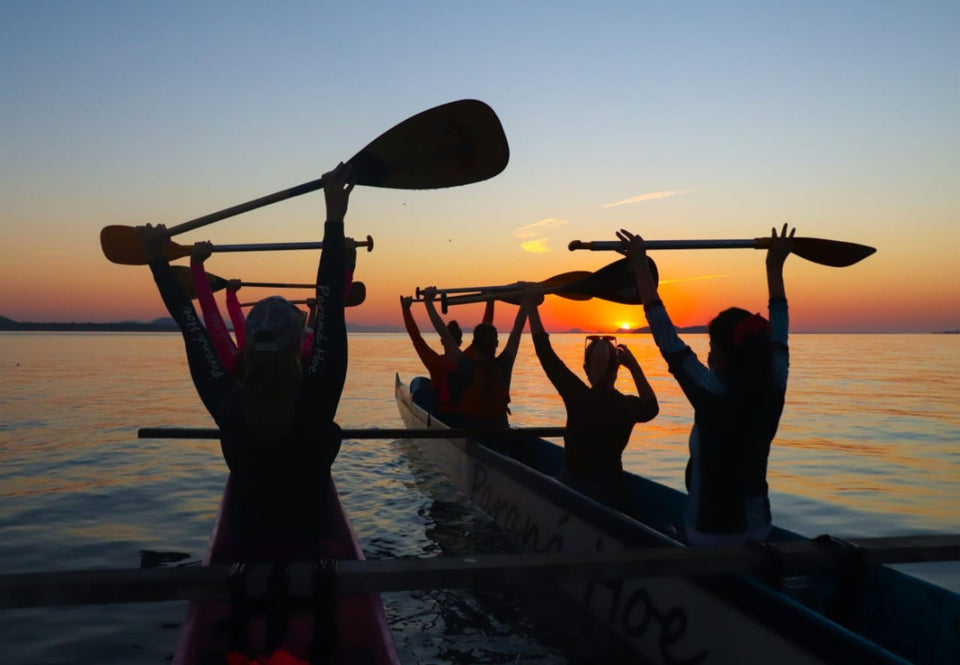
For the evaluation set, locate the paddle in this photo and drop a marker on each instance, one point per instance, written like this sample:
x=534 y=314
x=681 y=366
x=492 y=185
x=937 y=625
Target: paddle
x=356 y=296
x=358 y=290
x=834 y=253
x=446 y=146
x=614 y=282
x=132 y=255
x=472 y=289
x=511 y=293
x=366 y=433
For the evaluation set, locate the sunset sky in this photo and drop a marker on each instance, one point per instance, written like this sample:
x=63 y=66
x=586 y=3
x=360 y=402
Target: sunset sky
x=678 y=120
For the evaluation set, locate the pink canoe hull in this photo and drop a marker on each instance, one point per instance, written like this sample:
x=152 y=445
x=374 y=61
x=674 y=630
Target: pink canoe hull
x=363 y=635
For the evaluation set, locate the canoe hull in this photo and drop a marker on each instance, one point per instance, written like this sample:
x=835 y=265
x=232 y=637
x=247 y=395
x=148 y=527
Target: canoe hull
x=362 y=632
x=666 y=620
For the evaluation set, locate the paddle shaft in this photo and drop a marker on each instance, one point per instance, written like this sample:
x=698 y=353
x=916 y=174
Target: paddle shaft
x=835 y=253
x=616 y=245
x=474 y=289
x=241 y=208
x=512 y=292
x=279 y=285
x=367 y=433
x=355 y=296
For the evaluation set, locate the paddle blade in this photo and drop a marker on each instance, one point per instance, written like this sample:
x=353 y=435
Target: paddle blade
x=121 y=245
x=357 y=294
x=454 y=144
x=558 y=284
x=834 y=253
x=614 y=282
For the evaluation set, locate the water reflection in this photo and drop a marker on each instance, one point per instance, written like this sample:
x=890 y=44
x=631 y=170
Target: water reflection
x=869 y=445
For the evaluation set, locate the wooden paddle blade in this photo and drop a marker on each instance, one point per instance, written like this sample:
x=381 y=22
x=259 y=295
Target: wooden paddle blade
x=121 y=245
x=357 y=294
x=614 y=282
x=449 y=145
x=560 y=285
x=834 y=253
x=565 y=279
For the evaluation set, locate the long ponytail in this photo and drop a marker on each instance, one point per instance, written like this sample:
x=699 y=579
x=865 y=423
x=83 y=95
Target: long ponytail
x=271 y=379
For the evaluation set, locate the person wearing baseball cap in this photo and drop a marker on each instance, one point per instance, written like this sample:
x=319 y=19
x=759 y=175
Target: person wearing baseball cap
x=276 y=409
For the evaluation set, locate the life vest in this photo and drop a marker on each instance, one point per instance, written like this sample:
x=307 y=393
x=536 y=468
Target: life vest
x=485 y=396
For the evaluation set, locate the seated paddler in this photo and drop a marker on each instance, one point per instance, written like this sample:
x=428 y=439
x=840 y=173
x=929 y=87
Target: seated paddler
x=600 y=418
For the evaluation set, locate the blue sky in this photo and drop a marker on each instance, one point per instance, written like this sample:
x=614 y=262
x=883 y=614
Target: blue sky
x=839 y=117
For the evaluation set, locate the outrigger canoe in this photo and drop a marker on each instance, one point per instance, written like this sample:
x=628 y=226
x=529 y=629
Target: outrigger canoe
x=360 y=630
x=854 y=615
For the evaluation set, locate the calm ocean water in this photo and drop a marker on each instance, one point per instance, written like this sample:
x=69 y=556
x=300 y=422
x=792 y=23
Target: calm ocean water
x=869 y=445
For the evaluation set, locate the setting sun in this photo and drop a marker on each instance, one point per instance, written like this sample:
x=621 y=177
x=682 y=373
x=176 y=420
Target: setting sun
x=626 y=326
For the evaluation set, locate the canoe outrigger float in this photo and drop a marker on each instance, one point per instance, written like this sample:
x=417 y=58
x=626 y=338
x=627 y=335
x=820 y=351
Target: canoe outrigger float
x=355 y=622
x=851 y=614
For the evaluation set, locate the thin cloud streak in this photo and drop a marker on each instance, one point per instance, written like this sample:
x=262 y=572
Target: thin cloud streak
x=532 y=235
x=538 y=228
x=652 y=196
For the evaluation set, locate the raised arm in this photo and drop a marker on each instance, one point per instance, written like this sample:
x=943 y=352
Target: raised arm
x=450 y=346
x=559 y=374
x=237 y=317
x=488 y=311
x=644 y=389
x=210 y=377
x=513 y=341
x=684 y=364
x=777 y=255
x=212 y=318
x=326 y=368
x=424 y=352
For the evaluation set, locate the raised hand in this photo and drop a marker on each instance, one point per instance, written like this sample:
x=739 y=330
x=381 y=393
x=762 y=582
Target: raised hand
x=337 y=185
x=780 y=246
x=637 y=254
x=153 y=240
x=201 y=251
x=429 y=293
